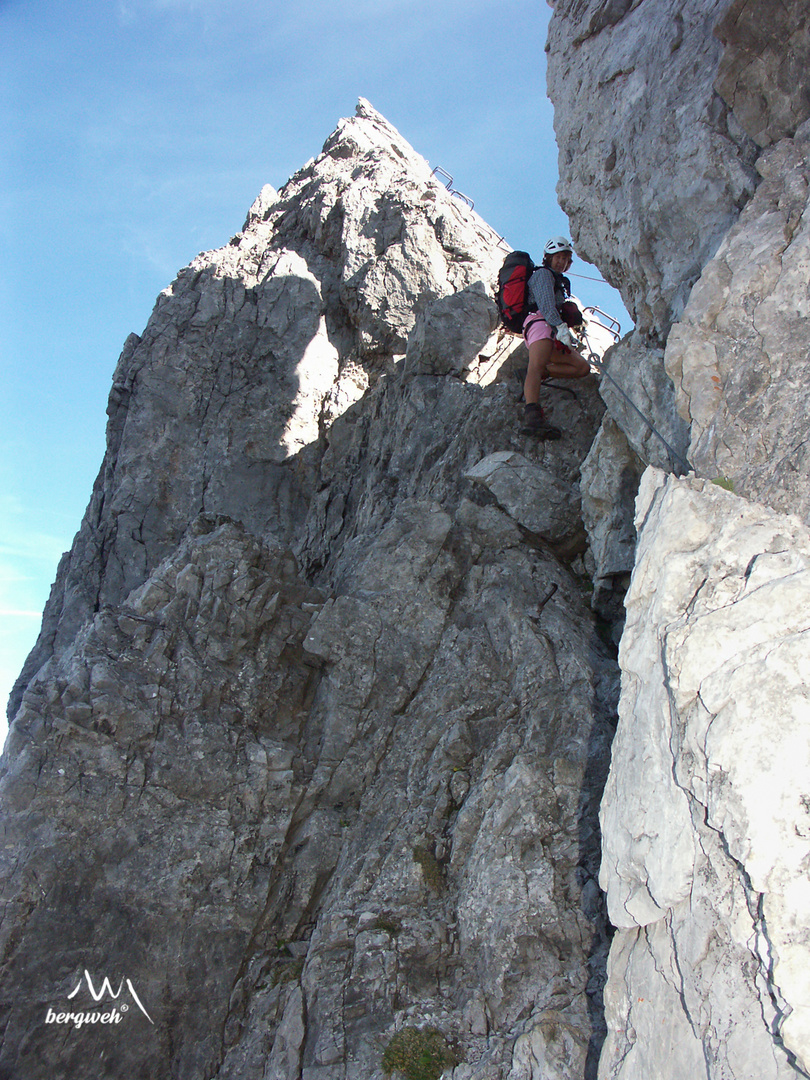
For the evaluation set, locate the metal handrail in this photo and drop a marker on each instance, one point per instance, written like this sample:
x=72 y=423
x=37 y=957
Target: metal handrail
x=598 y=311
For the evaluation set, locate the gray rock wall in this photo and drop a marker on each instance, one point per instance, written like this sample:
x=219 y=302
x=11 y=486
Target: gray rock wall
x=738 y=357
x=654 y=167
x=662 y=114
x=763 y=69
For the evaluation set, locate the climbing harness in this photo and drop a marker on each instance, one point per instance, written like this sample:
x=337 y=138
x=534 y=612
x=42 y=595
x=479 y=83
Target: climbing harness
x=592 y=358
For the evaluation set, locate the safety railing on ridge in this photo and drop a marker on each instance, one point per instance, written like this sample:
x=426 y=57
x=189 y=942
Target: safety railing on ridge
x=439 y=172
x=449 y=185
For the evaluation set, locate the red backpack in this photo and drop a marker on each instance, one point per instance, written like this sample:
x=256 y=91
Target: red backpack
x=512 y=296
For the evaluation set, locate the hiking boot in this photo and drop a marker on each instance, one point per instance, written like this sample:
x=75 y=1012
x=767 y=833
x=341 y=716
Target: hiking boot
x=535 y=423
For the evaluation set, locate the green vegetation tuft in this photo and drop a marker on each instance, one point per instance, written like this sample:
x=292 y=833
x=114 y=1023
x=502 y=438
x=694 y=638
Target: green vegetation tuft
x=419 y=1054
x=430 y=868
x=388 y=924
x=724 y=482
x=285 y=973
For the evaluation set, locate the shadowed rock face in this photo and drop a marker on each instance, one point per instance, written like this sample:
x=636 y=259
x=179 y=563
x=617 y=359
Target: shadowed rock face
x=663 y=114
x=763 y=69
x=312 y=745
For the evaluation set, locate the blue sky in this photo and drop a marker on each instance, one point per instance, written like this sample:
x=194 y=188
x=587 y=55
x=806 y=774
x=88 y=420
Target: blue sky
x=136 y=133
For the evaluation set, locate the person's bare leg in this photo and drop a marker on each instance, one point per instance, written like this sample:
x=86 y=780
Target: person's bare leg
x=567 y=365
x=534 y=422
x=539 y=354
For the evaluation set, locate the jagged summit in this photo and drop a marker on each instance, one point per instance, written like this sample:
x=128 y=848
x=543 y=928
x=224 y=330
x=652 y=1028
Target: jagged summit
x=371 y=127
x=354 y=137
x=301 y=309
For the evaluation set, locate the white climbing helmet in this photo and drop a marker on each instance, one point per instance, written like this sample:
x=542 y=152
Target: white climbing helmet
x=558 y=243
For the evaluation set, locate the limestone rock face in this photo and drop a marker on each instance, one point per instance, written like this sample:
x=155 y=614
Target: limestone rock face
x=467 y=318
x=610 y=477
x=654 y=167
x=763 y=70
x=149 y=790
x=663 y=113
x=311 y=750
x=705 y=817
x=739 y=355
x=641 y=400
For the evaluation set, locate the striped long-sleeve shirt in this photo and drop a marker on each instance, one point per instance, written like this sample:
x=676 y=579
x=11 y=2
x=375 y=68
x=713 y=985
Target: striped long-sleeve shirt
x=542 y=291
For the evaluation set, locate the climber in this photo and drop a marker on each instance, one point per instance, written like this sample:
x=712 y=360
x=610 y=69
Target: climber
x=552 y=348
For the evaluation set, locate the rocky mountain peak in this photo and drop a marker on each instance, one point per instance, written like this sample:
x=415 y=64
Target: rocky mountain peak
x=319 y=715
x=258 y=345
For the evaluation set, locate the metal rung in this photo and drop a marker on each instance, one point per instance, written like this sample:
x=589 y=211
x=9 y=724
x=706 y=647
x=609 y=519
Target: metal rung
x=447 y=175
x=440 y=172
x=604 y=315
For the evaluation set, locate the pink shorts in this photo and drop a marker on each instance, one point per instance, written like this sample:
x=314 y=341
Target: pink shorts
x=535 y=328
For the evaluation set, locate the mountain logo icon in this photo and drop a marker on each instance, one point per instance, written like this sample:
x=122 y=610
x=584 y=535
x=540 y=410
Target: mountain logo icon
x=105 y=995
